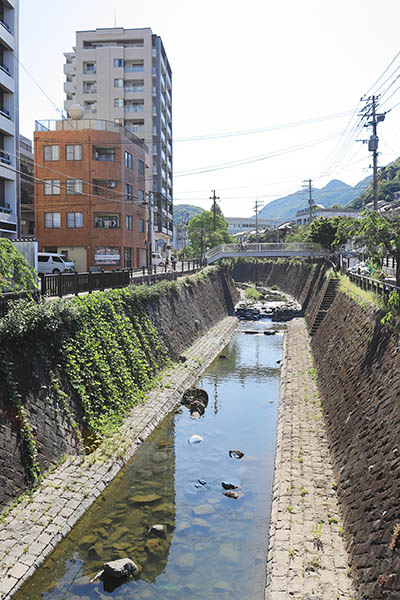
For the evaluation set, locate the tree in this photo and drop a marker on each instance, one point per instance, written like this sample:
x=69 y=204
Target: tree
x=202 y=234
x=380 y=236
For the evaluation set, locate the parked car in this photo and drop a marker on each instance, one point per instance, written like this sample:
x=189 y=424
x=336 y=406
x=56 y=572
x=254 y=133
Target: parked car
x=49 y=262
x=157 y=259
x=361 y=268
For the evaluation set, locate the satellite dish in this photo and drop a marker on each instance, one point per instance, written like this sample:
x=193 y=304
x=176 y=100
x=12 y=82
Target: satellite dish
x=76 y=111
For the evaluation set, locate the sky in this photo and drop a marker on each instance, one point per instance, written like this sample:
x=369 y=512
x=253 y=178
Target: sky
x=272 y=85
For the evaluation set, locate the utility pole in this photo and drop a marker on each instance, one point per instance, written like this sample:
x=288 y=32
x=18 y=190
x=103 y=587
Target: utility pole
x=308 y=183
x=369 y=112
x=256 y=204
x=214 y=198
x=185 y=222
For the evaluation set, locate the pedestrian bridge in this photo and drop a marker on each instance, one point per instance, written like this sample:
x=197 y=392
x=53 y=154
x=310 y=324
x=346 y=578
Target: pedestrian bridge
x=307 y=249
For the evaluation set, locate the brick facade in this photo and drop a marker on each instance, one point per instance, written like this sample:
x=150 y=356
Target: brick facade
x=91 y=222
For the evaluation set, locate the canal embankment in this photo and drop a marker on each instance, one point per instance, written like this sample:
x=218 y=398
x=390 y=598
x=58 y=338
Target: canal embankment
x=33 y=528
x=357 y=369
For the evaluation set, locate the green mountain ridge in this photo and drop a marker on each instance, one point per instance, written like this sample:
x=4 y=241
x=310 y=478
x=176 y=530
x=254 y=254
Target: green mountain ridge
x=185 y=211
x=335 y=192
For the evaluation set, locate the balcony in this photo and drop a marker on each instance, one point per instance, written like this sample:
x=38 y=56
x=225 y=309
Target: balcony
x=5 y=157
x=5 y=113
x=134 y=107
x=5 y=69
x=69 y=69
x=4 y=24
x=134 y=68
x=69 y=87
x=5 y=208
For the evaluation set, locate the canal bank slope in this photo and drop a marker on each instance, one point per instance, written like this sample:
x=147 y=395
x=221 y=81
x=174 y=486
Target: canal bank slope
x=357 y=362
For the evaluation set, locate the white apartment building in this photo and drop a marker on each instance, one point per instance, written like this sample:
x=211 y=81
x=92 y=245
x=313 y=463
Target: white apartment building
x=123 y=75
x=319 y=211
x=243 y=224
x=9 y=120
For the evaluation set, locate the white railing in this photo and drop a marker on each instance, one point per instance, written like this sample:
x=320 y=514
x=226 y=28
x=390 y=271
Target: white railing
x=246 y=249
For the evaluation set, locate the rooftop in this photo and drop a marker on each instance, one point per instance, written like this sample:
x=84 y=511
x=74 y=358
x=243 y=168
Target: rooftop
x=85 y=124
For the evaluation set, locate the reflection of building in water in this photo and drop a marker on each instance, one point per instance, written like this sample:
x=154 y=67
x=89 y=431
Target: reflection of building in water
x=117 y=526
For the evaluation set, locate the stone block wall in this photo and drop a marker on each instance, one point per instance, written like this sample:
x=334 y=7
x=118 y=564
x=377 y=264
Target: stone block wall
x=180 y=316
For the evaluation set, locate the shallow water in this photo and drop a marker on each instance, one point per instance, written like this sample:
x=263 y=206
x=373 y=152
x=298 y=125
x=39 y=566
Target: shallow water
x=215 y=547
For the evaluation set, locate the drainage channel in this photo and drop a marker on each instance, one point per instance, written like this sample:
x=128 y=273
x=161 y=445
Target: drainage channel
x=210 y=545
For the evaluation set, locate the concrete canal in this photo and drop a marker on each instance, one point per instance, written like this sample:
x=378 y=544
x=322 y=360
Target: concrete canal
x=210 y=546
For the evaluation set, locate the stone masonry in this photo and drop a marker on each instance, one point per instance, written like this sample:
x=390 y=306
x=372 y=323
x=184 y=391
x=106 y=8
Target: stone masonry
x=40 y=521
x=307 y=558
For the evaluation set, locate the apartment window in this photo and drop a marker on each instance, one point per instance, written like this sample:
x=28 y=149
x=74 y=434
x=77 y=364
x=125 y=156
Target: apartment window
x=129 y=191
x=51 y=152
x=104 y=154
x=52 y=187
x=141 y=225
x=107 y=221
x=118 y=62
x=101 y=186
x=134 y=107
x=134 y=86
x=52 y=220
x=134 y=67
x=90 y=106
x=73 y=152
x=129 y=222
x=89 y=67
x=128 y=160
x=74 y=186
x=141 y=196
x=118 y=102
x=74 y=219
x=118 y=83
x=141 y=168
x=89 y=87
x=128 y=258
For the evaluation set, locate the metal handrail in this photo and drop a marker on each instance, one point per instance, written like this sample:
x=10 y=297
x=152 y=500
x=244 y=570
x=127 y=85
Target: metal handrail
x=264 y=247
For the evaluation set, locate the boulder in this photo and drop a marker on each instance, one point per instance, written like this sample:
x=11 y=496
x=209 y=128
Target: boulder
x=236 y=454
x=231 y=494
x=195 y=439
x=158 y=530
x=117 y=569
x=194 y=394
x=229 y=486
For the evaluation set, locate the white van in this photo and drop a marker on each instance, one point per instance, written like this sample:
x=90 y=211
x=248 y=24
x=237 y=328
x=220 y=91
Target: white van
x=156 y=259
x=54 y=263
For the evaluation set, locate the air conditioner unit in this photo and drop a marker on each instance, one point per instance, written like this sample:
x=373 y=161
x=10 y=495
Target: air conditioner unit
x=110 y=184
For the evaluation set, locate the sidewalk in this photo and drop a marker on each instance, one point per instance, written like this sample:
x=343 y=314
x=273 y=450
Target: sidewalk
x=36 y=525
x=307 y=558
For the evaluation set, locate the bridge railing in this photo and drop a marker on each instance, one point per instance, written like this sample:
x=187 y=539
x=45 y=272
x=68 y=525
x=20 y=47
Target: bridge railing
x=244 y=248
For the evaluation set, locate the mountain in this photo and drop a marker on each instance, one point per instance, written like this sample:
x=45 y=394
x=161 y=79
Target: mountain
x=182 y=211
x=388 y=185
x=335 y=192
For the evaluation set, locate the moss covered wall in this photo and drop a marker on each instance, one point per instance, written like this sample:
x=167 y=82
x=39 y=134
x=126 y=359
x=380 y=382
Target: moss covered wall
x=71 y=369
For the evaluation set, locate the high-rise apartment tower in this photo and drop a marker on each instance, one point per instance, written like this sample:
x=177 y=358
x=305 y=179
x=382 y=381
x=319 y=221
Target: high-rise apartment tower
x=9 y=120
x=123 y=75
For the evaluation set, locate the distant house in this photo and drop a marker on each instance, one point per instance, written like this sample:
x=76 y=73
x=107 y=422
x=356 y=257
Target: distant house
x=303 y=216
x=243 y=224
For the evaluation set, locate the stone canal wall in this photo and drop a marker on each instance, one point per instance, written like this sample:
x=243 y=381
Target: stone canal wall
x=58 y=358
x=357 y=361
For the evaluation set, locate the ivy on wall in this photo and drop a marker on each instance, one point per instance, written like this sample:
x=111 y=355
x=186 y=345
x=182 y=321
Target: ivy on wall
x=100 y=352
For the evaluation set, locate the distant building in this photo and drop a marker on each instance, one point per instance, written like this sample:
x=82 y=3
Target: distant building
x=319 y=211
x=243 y=224
x=27 y=187
x=9 y=121
x=123 y=75
x=90 y=193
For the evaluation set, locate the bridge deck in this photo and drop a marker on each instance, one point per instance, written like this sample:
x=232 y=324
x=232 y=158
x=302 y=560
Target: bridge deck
x=307 y=249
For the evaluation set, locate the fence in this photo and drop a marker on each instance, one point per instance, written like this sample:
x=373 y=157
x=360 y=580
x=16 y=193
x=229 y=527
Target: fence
x=374 y=285
x=69 y=284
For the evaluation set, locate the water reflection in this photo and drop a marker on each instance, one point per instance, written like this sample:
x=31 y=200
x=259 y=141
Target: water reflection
x=214 y=546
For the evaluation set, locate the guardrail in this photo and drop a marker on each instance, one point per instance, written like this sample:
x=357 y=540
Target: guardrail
x=382 y=288
x=70 y=284
x=250 y=249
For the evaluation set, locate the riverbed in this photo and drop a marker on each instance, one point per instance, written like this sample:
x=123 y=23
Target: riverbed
x=211 y=546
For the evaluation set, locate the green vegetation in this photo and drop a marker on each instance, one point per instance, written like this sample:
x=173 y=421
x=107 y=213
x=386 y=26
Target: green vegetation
x=95 y=355
x=202 y=234
x=253 y=294
x=328 y=232
x=15 y=273
x=388 y=183
x=185 y=212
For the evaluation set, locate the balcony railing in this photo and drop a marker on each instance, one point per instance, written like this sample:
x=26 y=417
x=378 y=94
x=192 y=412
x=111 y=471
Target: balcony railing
x=5 y=158
x=134 y=107
x=5 y=113
x=5 y=69
x=5 y=26
x=5 y=208
x=133 y=68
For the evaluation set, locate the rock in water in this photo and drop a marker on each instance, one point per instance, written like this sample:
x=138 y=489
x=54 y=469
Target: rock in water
x=158 y=530
x=123 y=567
x=229 y=486
x=231 y=494
x=195 y=439
x=236 y=454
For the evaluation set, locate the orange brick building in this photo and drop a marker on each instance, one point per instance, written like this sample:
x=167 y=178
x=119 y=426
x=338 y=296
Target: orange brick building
x=90 y=193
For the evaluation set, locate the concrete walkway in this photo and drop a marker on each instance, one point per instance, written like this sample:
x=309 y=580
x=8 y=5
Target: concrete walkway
x=306 y=558
x=38 y=523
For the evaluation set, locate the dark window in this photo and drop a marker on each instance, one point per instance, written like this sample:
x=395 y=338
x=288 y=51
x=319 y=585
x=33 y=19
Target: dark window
x=128 y=160
x=141 y=168
x=129 y=222
x=118 y=62
x=129 y=191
